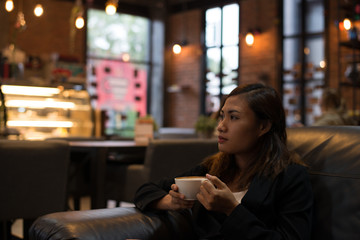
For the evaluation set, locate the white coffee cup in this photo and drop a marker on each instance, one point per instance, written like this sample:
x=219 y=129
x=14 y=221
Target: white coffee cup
x=189 y=186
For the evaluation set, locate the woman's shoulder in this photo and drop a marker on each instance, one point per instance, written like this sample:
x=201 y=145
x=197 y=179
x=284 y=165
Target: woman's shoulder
x=294 y=175
x=295 y=169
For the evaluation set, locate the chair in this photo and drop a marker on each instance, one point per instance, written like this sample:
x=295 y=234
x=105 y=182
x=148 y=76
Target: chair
x=79 y=171
x=177 y=133
x=167 y=158
x=33 y=179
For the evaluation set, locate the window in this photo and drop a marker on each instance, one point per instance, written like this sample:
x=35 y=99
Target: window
x=303 y=59
x=118 y=66
x=221 y=54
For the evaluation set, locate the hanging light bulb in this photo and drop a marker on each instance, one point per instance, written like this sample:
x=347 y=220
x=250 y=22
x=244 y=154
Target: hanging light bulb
x=176 y=48
x=38 y=10
x=9 y=5
x=79 y=22
x=78 y=12
x=111 y=7
x=249 y=39
x=347 y=24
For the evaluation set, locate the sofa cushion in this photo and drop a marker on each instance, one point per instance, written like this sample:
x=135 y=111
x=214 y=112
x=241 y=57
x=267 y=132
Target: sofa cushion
x=333 y=157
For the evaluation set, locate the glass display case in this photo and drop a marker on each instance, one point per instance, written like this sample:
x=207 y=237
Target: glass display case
x=44 y=112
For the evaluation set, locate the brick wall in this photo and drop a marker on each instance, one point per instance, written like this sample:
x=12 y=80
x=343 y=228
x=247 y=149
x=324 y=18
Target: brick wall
x=43 y=35
x=258 y=62
x=181 y=109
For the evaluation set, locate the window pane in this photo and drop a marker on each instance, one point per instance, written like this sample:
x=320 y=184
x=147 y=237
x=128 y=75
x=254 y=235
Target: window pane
x=313 y=91
x=314 y=16
x=291 y=61
x=213 y=60
x=314 y=54
x=212 y=103
x=230 y=66
x=213 y=27
x=231 y=24
x=291 y=102
x=117 y=36
x=212 y=79
x=292 y=17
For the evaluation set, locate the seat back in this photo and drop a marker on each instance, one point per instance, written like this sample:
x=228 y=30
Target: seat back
x=170 y=157
x=333 y=156
x=33 y=178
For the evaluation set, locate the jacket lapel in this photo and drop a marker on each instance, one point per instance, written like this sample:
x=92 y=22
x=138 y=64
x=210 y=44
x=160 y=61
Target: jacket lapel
x=258 y=190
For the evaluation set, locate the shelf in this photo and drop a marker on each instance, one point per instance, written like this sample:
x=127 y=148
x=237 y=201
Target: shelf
x=349 y=84
x=355 y=44
x=348 y=54
x=307 y=80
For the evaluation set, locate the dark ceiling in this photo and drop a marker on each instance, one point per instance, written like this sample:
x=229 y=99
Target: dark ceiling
x=143 y=7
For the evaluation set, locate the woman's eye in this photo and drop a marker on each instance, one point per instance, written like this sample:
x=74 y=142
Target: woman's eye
x=233 y=117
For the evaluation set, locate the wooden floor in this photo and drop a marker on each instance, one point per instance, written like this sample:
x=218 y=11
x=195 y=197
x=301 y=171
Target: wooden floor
x=85 y=203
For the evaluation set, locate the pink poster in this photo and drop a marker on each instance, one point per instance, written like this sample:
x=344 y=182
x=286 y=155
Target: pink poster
x=121 y=87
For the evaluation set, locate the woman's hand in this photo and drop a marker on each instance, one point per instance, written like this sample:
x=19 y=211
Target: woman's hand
x=173 y=201
x=219 y=198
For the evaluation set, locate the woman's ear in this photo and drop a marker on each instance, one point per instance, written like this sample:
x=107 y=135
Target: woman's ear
x=264 y=127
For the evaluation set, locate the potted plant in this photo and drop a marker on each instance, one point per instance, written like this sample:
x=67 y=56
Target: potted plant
x=205 y=126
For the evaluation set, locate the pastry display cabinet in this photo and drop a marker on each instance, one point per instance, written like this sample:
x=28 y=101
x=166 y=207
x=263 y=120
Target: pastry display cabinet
x=44 y=112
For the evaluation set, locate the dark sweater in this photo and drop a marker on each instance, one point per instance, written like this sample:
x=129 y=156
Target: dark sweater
x=271 y=209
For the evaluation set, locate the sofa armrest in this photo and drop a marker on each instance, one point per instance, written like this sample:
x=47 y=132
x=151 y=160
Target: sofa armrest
x=112 y=223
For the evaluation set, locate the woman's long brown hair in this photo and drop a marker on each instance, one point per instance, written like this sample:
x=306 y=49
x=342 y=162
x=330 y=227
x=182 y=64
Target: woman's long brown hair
x=272 y=155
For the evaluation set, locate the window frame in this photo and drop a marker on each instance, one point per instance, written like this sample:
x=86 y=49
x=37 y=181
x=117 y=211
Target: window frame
x=302 y=36
x=220 y=47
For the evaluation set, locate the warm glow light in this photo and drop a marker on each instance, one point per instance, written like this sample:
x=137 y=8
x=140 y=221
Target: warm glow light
x=29 y=91
x=9 y=5
x=306 y=51
x=347 y=24
x=110 y=9
x=249 y=39
x=39 y=104
x=79 y=22
x=51 y=124
x=38 y=10
x=322 y=64
x=125 y=57
x=176 y=49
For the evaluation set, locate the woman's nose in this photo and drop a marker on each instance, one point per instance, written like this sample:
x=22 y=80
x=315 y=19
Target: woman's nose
x=221 y=126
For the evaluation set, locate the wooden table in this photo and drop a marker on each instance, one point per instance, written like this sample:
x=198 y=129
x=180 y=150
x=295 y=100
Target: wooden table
x=98 y=153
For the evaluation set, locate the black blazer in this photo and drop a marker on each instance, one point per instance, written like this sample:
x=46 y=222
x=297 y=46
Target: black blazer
x=271 y=209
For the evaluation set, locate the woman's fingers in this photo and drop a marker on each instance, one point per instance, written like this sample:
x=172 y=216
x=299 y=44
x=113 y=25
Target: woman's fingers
x=176 y=194
x=174 y=187
x=178 y=200
x=214 y=195
x=216 y=181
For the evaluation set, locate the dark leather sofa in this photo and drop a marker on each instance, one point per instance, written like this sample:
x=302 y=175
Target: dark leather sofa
x=333 y=156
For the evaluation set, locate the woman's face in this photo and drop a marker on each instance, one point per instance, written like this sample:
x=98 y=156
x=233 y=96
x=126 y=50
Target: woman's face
x=238 y=128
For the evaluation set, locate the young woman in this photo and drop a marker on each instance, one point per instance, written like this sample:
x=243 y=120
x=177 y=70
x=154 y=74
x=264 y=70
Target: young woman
x=256 y=189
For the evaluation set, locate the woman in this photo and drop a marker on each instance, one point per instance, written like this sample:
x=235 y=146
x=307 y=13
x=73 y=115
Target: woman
x=255 y=188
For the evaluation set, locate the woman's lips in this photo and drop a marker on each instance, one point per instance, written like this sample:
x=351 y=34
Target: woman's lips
x=221 y=139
